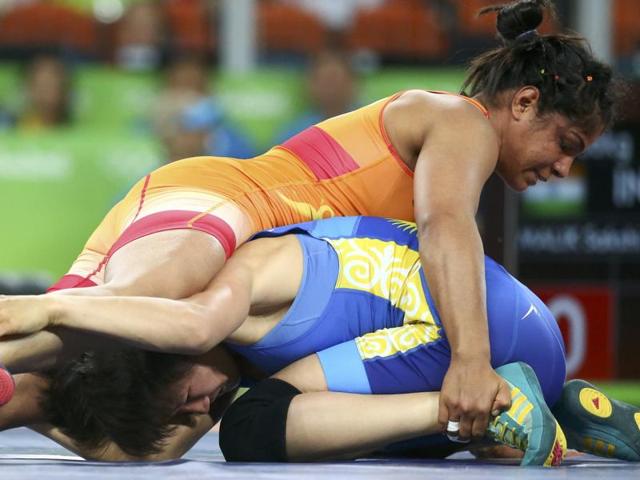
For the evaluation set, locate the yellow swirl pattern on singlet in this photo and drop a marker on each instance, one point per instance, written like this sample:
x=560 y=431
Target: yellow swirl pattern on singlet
x=392 y=272
x=390 y=341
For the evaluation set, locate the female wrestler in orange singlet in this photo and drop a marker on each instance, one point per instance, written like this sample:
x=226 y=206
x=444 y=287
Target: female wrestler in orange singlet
x=534 y=104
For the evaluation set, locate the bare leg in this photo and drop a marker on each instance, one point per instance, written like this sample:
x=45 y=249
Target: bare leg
x=323 y=425
x=172 y=264
x=329 y=425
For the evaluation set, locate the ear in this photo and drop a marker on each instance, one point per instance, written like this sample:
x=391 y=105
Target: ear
x=524 y=103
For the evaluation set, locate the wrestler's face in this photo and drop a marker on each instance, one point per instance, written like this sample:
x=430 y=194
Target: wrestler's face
x=211 y=376
x=536 y=148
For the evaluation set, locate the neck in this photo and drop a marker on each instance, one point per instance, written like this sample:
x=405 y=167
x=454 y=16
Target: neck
x=498 y=116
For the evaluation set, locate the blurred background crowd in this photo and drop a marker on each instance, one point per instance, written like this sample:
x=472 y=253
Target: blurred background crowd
x=96 y=93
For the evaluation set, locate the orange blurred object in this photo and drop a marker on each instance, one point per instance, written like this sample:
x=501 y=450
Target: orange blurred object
x=48 y=24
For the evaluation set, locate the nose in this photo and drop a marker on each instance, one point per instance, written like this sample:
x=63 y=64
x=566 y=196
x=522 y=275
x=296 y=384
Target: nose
x=198 y=405
x=562 y=166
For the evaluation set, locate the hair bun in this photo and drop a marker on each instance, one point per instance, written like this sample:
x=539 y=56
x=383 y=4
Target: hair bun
x=518 y=17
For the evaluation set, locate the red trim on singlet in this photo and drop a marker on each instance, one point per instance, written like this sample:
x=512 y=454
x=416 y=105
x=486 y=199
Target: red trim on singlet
x=143 y=194
x=157 y=222
x=71 y=281
x=176 y=220
x=324 y=156
x=392 y=150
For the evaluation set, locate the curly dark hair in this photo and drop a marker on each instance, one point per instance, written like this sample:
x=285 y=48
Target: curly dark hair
x=570 y=80
x=122 y=396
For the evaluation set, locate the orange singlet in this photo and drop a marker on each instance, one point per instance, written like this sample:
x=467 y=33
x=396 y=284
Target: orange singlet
x=342 y=166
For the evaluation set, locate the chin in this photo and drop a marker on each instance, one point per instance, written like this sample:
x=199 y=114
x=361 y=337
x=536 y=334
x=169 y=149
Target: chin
x=516 y=184
x=519 y=186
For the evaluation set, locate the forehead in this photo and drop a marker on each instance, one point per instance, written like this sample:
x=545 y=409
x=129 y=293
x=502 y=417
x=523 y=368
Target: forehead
x=588 y=130
x=590 y=126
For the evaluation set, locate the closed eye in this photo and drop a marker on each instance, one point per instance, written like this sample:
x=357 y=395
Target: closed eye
x=573 y=148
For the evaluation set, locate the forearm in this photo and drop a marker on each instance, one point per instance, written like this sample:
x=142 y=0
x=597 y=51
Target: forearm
x=323 y=425
x=452 y=256
x=145 y=322
x=46 y=349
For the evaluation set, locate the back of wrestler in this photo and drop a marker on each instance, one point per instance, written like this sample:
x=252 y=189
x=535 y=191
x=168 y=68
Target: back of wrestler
x=342 y=166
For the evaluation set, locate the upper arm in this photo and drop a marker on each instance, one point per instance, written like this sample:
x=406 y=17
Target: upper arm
x=264 y=272
x=458 y=151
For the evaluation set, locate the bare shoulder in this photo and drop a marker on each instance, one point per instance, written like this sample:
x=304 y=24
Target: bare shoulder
x=418 y=116
x=432 y=105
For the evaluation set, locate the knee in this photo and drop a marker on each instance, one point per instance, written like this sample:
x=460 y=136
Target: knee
x=254 y=427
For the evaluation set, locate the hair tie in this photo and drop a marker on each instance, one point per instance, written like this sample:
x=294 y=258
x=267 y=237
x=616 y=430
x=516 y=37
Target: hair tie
x=589 y=78
x=526 y=36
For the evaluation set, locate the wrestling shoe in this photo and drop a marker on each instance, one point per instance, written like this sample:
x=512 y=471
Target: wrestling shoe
x=7 y=386
x=528 y=425
x=597 y=424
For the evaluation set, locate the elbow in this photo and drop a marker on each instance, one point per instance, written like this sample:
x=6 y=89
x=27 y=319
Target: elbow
x=433 y=225
x=198 y=342
x=197 y=335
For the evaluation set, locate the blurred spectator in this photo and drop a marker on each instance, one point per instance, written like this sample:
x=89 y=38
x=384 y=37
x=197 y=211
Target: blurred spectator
x=190 y=121
x=187 y=73
x=47 y=101
x=331 y=90
x=140 y=37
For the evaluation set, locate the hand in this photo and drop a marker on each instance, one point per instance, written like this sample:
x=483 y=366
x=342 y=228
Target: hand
x=471 y=392
x=23 y=314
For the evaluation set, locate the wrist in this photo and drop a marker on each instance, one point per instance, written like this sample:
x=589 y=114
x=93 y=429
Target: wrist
x=475 y=356
x=55 y=311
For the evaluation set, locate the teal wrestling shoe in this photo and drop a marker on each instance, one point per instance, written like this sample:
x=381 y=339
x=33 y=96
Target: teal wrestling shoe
x=597 y=424
x=528 y=425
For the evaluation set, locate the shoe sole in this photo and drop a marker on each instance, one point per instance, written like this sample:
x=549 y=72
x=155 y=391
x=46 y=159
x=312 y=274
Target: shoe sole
x=598 y=424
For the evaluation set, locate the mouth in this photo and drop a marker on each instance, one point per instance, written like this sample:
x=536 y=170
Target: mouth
x=540 y=177
x=534 y=177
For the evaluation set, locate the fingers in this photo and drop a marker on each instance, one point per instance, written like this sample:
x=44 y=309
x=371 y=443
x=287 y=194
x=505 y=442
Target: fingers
x=443 y=414
x=453 y=432
x=480 y=425
x=450 y=422
x=466 y=422
x=471 y=423
x=470 y=398
x=503 y=398
x=458 y=423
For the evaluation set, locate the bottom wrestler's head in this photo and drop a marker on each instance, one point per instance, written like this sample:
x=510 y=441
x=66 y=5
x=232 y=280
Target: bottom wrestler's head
x=135 y=398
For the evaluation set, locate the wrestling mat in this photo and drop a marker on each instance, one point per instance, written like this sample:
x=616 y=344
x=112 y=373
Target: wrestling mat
x=25 y=455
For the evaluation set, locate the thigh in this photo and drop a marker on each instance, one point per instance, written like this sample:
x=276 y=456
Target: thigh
x=170 y=264
x=410 y=358
x=169 y=213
